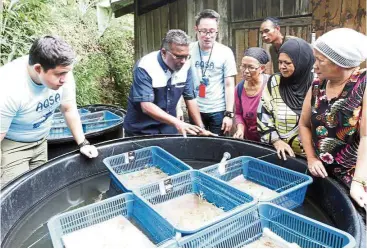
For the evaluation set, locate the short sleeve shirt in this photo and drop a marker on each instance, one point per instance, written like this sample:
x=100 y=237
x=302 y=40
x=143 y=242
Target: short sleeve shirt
x=154 y=82
x=26 y=108
x=217 y=66
x=336 y=125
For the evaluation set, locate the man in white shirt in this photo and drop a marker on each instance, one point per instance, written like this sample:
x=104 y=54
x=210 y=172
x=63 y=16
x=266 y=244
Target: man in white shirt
x=32 y=87
x=214 y=68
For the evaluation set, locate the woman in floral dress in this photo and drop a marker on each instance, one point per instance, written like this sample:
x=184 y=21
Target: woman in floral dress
x=333 y=121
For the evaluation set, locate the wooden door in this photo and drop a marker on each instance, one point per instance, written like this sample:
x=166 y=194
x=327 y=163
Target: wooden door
x=247 y=16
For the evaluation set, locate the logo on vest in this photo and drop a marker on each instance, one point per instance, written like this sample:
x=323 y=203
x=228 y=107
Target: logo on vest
x=47 y=103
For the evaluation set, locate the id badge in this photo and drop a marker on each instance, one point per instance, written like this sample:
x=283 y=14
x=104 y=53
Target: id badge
x=202 y=90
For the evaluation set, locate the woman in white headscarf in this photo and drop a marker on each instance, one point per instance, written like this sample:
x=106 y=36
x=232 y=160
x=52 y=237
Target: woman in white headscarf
x=333 y=120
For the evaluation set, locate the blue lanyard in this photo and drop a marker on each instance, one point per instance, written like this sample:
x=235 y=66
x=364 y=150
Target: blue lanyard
x=201 y=59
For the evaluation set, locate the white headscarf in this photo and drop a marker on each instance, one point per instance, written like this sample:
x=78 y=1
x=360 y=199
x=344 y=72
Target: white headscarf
x=345 y=47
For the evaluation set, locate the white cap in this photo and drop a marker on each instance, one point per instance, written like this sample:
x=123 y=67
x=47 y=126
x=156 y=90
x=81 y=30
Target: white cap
x=345 y=47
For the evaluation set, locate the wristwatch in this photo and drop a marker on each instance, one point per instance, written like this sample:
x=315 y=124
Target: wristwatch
x=85 y=142
x=228 y=114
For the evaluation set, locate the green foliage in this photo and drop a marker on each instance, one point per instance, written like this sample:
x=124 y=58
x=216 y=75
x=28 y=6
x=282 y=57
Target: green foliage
x=118 y=44
x=103 y=71
x=88 y=74
x=21 y=22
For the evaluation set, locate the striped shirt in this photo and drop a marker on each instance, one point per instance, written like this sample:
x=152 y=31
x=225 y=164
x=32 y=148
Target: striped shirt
x=276 y=120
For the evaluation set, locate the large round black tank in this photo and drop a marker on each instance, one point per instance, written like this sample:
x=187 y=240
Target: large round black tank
x=61 y=146
x=61 y=184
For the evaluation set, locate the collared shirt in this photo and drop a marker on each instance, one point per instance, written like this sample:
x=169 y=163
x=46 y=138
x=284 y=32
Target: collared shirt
x=155 y=82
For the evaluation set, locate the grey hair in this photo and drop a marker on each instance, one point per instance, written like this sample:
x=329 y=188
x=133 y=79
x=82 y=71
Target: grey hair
x=176 y=36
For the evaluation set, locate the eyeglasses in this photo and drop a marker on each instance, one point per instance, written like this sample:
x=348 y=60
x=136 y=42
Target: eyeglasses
x=205 y=32
x=249 y=68
x=179 y=57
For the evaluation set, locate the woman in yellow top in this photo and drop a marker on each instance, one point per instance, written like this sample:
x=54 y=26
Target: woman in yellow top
x=281 y=103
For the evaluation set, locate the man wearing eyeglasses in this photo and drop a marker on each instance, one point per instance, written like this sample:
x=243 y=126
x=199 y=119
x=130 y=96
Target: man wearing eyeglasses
x=214 y=68
x=160 y=79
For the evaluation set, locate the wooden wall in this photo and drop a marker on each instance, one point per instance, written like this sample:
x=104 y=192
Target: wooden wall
x=247 y=16
x=249 y=10
x=330 y=14
x=240 y=20
x=151 y=27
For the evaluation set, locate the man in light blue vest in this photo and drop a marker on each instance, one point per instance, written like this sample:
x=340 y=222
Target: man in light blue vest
x=160 y=79
x=32 y=87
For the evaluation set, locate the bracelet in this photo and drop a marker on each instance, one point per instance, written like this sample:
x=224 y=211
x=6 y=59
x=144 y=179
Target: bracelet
x=85 y=142
x=361 y=181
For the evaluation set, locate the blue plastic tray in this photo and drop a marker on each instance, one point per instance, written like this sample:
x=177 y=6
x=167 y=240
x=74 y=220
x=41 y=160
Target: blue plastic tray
x=247 y=226
x=141 y=159
x=91 y=122
x=290 y=185
x=58 y=115
x=214 y=191
x=158 y=230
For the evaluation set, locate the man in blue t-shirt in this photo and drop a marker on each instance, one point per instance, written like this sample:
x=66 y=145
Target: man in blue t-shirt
x=214 y=68
x=32 y=87
x=160 y=79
